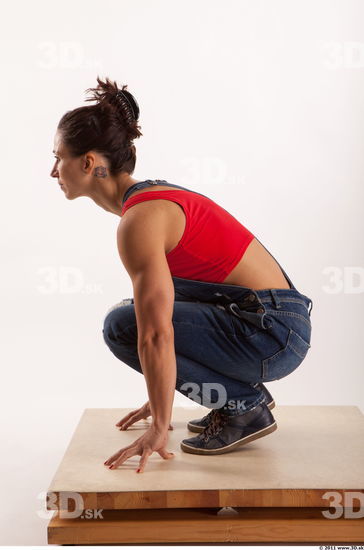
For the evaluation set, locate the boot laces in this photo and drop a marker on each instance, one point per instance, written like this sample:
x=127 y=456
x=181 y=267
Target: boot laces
x=208 y=416
x=217 y=422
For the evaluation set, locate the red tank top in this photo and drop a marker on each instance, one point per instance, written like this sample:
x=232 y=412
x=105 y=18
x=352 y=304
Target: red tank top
x=213 y=241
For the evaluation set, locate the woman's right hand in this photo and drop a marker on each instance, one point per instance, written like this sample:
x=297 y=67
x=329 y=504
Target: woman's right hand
x=132 y=417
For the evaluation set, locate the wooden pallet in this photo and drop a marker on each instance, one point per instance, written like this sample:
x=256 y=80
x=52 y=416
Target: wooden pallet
x=275 y=489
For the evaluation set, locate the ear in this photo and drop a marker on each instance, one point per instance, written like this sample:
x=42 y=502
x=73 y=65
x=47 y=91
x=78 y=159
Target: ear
x=88 y=162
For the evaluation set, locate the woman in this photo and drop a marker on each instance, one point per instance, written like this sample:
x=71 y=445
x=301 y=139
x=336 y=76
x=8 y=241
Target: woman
x=212 y=309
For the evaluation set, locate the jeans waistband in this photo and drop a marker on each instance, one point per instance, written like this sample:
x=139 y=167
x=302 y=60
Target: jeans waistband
x=240 y=301
x=277 y=296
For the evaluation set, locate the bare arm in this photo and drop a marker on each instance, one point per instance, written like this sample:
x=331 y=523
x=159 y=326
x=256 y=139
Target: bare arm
x=141 y=245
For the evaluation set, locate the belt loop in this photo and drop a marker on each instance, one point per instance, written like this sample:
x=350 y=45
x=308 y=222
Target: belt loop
x=275 y=298
x=311 y=304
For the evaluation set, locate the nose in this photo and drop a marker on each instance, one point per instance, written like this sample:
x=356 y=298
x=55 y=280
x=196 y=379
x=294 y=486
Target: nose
x=54 y=173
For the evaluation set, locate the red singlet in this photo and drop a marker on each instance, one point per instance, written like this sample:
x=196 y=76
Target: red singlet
x=213 y=241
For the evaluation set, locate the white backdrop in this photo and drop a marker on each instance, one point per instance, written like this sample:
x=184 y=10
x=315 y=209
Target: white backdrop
x=257 y=104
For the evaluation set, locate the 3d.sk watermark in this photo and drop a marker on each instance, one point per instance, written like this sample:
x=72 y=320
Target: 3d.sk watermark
x=62 y=503
x=202 y=395
x=349 y=505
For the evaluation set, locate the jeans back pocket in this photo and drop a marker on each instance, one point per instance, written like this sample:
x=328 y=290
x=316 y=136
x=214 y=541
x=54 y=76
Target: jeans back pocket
x=287 y=359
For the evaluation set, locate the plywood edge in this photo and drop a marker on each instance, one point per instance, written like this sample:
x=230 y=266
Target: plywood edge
x=204 y=525
x=293 y=498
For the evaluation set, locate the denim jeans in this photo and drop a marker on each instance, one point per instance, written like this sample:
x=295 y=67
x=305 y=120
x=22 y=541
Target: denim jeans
x=227 y=339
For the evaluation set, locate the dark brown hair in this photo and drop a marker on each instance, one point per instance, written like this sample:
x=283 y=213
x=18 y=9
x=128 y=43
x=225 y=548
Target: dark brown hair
x=108 y=127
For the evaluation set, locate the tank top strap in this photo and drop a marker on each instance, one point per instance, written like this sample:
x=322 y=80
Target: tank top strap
x=148 y=183
x=134 y=187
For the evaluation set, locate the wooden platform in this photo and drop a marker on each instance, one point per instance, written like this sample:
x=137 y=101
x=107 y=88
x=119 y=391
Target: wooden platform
x=275 y=489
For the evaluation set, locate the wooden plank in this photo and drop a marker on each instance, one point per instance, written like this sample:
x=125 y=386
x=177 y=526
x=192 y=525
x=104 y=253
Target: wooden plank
x=192 y=499
x=294 y=466
x=265 y=525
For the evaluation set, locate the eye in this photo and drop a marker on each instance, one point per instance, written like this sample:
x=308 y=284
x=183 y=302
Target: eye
x=56 y=158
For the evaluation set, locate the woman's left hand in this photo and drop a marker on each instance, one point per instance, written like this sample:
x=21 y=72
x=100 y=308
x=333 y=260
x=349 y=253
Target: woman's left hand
x=152 y=440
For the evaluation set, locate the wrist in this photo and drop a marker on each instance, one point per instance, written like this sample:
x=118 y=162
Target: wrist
x=159 y=427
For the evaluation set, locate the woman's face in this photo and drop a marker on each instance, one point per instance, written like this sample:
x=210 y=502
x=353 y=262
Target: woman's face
x=68 y=170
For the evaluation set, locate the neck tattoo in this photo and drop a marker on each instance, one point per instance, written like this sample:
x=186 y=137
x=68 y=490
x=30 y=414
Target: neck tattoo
x=100 y=172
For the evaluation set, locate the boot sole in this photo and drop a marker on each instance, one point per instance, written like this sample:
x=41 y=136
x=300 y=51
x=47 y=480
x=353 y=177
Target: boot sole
x=247 y=439
x=199 y=429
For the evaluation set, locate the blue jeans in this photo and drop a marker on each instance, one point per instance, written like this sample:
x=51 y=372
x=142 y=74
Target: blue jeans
x=228 y=338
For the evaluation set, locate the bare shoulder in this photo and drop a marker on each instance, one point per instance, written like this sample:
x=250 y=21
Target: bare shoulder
x=142 y=234
x=142 y=220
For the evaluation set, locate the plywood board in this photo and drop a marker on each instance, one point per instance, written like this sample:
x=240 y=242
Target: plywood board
x=264 y=525
x=314 y=449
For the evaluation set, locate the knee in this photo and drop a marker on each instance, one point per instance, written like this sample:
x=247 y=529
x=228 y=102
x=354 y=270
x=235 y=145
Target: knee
x=116 y=320
x=108 y=329
x=112 y=329
x=123 y=303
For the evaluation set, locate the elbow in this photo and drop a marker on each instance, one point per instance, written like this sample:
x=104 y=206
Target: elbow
x=157 y=338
